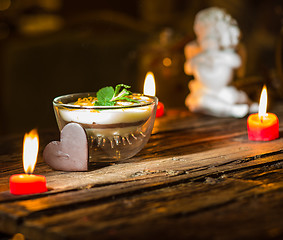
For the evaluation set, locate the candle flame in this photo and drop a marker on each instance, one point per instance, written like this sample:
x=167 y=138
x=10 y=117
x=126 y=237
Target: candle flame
x=149 y=85
x=262 y=103
x=30 y=151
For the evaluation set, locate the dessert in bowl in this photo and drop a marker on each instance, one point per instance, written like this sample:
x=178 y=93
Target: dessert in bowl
x=115 y=130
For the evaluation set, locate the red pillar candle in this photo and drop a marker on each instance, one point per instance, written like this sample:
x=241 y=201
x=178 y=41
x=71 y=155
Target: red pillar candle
x=263 y=126
x=149 y=89
x=28 y=183
x=264 y=129
x=160 y=109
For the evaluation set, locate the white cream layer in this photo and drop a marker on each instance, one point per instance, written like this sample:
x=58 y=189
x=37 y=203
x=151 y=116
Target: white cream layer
x=112 y=116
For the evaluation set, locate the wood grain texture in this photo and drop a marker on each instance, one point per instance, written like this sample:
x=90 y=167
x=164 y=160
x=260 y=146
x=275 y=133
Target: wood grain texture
x=199 y=177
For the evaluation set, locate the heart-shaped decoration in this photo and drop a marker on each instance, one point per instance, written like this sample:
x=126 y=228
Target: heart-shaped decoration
x=71 y=153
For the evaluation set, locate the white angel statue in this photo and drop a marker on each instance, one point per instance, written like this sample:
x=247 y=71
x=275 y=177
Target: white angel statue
x=212 y=59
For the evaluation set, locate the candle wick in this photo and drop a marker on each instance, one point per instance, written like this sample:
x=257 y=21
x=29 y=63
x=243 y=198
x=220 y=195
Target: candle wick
x=261 y=119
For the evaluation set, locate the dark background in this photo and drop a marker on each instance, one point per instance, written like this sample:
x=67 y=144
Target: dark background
x=54 y=47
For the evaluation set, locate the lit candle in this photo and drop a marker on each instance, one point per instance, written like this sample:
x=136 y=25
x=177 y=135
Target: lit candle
x=149 y=89
x=263 y=126
x=28 y=183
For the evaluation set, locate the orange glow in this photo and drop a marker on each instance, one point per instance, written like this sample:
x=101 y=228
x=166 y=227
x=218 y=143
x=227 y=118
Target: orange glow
x=30 y=151
x=167 y=62
x=262 y=103
x=149 y=85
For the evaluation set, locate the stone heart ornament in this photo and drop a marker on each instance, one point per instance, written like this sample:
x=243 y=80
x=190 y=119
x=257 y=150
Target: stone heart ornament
x=71 y=153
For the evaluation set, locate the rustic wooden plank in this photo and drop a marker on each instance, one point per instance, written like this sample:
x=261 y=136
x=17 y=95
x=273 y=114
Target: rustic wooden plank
x=185 y=204
x=16 y=212
x=190 y=166
x=206 y=162
x=231 y=157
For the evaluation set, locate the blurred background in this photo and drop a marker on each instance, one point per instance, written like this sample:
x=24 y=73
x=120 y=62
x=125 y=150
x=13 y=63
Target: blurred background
x=54 y=47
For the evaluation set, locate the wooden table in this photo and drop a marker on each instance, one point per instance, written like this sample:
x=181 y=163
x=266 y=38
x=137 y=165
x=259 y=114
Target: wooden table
x=199 y=177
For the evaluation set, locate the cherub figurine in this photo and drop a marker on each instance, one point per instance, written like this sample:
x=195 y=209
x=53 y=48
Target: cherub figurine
x=212 y=60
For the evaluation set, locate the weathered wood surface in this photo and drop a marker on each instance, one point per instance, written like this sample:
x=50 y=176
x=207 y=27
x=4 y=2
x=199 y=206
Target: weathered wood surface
x=199 y=177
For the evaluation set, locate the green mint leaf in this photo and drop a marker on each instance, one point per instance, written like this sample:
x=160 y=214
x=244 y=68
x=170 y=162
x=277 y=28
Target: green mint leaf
x=104 y=96
x=107 y=96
